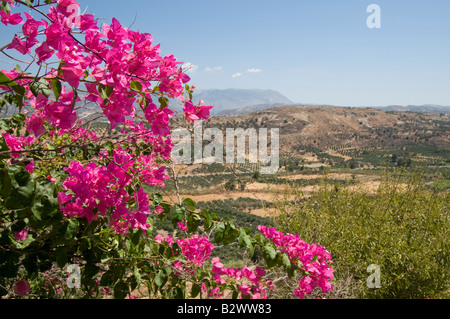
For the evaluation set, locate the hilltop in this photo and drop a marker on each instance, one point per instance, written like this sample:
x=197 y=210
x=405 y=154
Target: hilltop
x=343 y=133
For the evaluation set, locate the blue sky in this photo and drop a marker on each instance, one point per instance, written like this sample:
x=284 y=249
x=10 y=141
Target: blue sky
x=318 y=52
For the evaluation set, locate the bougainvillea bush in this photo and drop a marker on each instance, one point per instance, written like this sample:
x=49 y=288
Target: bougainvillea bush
x=75 y=220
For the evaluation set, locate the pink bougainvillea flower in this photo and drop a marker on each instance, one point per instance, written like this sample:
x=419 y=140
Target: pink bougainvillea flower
x=61 y=113
x=19 y=45
x=13 y=144
x=313 y=258
x=30 y=167
x=21 y=235
x=44 y=52
x=72 y=74
x=64 y=198
x=190 y=111
x=35 y=125
x=57 y=36
x=87 y=22
x=159 y=238
x=194 y=113
x=245 y=289
x=217 y=265
x=30 y=27
x=67 y=7
x=11 y=18
x=184 y=77
x=17 y=143
x=204 y=110
x=22 y=287
x=196 y=249
x=159 y=210
x=182 y=227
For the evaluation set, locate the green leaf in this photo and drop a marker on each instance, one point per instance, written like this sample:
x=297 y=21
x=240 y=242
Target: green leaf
x=108 y=279
x=72 y=229
x=245 y=241
x=105 y=91
x=18 y=98
x=5 y=7
x=5 y=183
x=22 y=190
x=120 y=290
x=5 y=80
x=235 y=294
x=56 y=87
x=160 y=278
x=180 y=213
x=144 y=102
x=45 y=204
x=196 y=289
x=61 y=256
x=218 y=238
x=4 y=125
x=208 y=219
x=136 y=236
x=25 y=243
x=230 y=235
x=166 y=206
x=65 y=231
x=270 y=255
x=137 y=275
x=41 y=86
x=164 y=102
x=190 y=203
x=157 y=199
x=136 y=85
x=193 y=221
x=285 y=261
x=19 y=89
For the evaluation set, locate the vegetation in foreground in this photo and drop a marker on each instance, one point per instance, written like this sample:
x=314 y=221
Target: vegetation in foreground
x=403 y=228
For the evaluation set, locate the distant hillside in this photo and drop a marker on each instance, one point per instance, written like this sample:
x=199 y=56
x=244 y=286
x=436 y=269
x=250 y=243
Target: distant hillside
x=249 y=109
x=227 y=99
x=335 y=130
x=426 y=108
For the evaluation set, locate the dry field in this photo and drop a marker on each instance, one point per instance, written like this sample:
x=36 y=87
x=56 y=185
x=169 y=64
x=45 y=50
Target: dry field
x=269 y=192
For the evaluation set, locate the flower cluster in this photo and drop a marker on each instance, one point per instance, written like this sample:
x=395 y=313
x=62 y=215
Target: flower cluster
x=196 y=249
x=311 y=258
x=17 y=143
x=101 y=189
x=122 y=71
x=253 y=285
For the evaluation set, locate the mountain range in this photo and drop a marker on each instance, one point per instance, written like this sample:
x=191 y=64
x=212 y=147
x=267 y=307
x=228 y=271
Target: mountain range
x=227 y=99
x=243 y=101
x=229 y=102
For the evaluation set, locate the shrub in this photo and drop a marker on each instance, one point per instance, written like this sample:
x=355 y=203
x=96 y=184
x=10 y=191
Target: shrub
x=403 y=228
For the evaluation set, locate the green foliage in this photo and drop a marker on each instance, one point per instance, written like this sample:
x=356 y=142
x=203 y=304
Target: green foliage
x=403 y=227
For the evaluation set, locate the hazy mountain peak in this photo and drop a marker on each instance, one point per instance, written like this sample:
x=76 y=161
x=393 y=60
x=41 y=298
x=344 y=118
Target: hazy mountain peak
x=226 y=99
